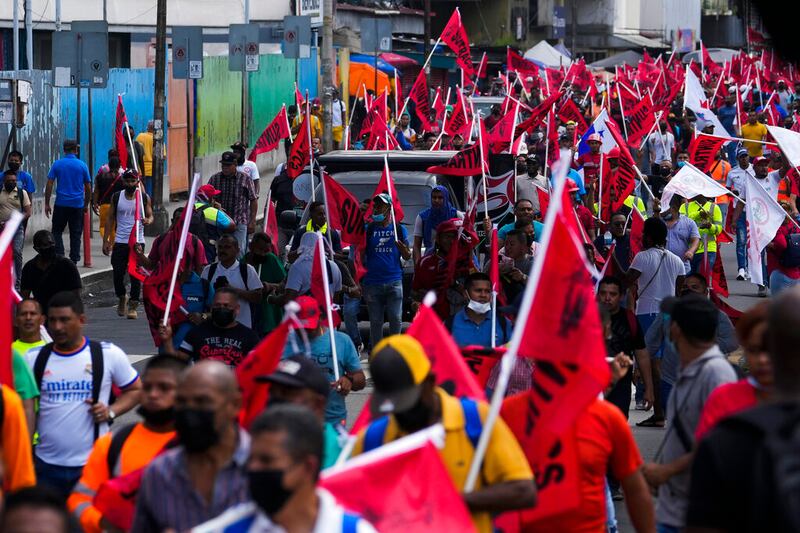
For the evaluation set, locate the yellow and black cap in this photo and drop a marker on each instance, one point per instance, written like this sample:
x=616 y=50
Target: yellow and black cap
x=399 y=366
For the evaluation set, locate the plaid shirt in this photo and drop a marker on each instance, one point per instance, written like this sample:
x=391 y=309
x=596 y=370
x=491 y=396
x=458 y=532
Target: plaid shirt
x=236 y=194
x=167 y=498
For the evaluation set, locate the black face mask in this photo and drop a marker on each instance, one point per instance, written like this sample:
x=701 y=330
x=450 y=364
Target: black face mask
x=47 y=253
x=13 y=166
x=266 y=489
x=131 y=189
x=195 y=428
x=276 y=400
x=222 y=317
x=666 y=171
x=159 y=417
x=9 y=186
x=415 y=419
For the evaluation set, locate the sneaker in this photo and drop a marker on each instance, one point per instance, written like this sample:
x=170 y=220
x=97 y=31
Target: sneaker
x=123 y=301
x=640 y=406
x=616 y=494
x=762 y=291
x=742 y=275
x=132 y=314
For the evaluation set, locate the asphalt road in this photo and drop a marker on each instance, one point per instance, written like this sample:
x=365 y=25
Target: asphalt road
x=133 y=336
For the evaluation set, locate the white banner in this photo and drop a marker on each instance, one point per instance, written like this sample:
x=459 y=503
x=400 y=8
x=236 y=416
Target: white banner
x=789 y=143
x=690 y=182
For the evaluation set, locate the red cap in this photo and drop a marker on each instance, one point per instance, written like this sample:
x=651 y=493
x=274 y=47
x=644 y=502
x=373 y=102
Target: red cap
x=760 y=159
x=595 y=137
x=316 y=101
x=613 y=153
x=308 y=314
x=449 y=226
x=208 y=191
x=572 y=186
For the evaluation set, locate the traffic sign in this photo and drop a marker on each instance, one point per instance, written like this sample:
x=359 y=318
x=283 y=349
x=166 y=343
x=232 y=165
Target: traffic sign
x=80 y=56
x=296 y=42
x=243 y=47
x=376 y=35
x=187 y=52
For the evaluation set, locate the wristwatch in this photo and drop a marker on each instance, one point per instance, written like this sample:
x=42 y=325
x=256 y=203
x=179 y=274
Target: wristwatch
x=111 y=415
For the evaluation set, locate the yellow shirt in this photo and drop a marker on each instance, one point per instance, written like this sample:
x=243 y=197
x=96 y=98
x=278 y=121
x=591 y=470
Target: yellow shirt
x=754 y=132
x=15 y=445
x=146 y=139
x=316 y=125
x=504 y=459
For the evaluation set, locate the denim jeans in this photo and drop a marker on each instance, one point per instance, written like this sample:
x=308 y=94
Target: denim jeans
x=119 y=264
x=385 y=300
x=697 y=261
x=17 y=243
x=241 y=237
x=61 y=479
x=74 y=217
x=778 y=282
x=741 y=242
x=350 y=309
x=611 y=512
x=666 y=528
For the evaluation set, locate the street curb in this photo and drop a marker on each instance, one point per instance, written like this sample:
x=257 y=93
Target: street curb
x=97 y=281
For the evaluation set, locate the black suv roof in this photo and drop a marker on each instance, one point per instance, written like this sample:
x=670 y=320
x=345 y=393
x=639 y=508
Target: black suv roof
x=353 y=160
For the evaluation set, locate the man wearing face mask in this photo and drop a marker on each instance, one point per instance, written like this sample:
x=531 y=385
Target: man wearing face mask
x=407 y=400
x=204 y=475
x=134 y=445
x=473 y=324
x=683 y=236
x=220 y=338
x=14 y=199
x=48 y=273
x=283 y=471
x=25 y=180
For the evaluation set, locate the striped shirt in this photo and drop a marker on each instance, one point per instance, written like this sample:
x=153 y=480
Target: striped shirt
x=168 y=499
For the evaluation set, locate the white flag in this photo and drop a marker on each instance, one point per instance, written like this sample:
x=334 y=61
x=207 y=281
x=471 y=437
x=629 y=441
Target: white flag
x=690 y=182
x=764 y=217
x=695 y=98
x=789 y=142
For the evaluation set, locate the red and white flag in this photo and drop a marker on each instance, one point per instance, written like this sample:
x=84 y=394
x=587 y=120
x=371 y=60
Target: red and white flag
x=455 y=36
x=276 y=130
x=764 y=217
x=300 y=153
x=120 y=142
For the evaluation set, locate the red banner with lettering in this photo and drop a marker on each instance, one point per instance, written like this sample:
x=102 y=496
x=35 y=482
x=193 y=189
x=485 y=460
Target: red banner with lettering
x=455 y=36
x=276 y=130
x=300 y=154
x=422 y=107
x=467 y=162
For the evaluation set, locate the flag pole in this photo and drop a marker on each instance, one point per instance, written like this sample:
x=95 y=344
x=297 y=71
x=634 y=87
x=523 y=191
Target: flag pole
x=727 y=138
x=328 y=304
x=266 y=209
x=187 y=219
x=327 y=212
x=389 y=190
x=288 y=126
x=483 y=170
x=600 y=196
x=509 y=358
x=310 y=148
x=622 y=111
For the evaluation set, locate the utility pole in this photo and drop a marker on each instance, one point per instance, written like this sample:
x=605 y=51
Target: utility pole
x=328 y=84
x=160 y=219
x=16 y=35
x=29 y=34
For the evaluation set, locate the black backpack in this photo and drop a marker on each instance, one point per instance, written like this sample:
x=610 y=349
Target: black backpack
x=791 y=255
x=199 y=228
x=96 y=351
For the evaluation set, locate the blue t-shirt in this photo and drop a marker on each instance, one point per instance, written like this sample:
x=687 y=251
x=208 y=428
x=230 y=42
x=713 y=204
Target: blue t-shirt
x=70 y=174
x=466 y=332
x=24 y=180
x=726 y=115
x=320 y=347
x=538 y=228
x=383 y=257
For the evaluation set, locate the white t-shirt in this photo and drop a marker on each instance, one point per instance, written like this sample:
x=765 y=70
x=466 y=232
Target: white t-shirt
x=66 y=429
x=661 y=146
x=655 y=283
x=249 y=168
x=337 y=108
x=771 y=184
x=736 y=180
x=235 y=281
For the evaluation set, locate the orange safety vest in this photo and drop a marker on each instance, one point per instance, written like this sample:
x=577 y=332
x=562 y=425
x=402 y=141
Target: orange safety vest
x=719 y=173
x=784 y=189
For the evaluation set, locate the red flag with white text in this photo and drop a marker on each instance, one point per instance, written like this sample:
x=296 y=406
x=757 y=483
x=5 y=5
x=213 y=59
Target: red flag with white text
x=276 y=130
x=467 y=162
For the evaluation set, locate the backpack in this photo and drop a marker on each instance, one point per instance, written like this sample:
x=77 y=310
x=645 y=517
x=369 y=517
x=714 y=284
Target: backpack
x=199 y=228
x=473 y=425
x=96 y=351
x=791 y=255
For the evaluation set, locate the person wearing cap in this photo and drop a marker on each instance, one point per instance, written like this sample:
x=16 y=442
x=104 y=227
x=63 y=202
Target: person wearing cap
x=755 y=132
x=299 y=380
x=386 y=249
x=316 y=123
x=120 y=222
x=237 y=197
x=407 y=399
x=220 y=337
x=245 y=166
x=315 y=332
x=660 y=145
x=72 y=198
x=212 y=221
x=528 y=182
x=737 y=178
x=590 y=161
x=693 y=332
x=436 y=273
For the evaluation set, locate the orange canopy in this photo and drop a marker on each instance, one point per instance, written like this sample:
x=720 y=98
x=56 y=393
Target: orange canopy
x=361 y=73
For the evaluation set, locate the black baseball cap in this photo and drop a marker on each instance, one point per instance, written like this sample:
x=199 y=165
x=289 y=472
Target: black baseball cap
x=299 y=372
x=399 y=366
x=228 y=158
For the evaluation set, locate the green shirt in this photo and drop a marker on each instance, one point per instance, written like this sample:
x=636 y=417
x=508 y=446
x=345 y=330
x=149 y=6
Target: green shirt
x=24 y=382
x=271 y=271
x=331 y=444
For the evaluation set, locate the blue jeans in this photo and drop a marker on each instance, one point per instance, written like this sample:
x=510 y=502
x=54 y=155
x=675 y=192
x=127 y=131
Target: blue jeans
x=741 y=242
x=697 y=260
x=778 y=282
x=666 y=528
x=241 y=237
x=611 y=513
x=350 y=307
x=62 y=479
x=74 y=217
x=17 y=244
x=646 y=320
x=384 y=300
x=666 y=389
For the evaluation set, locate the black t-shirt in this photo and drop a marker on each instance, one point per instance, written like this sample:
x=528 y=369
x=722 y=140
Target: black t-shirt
x=282 y=193
x=61 y=275
x=623 y=338
x=227 y=345
x=732 y=486
x=622 y=251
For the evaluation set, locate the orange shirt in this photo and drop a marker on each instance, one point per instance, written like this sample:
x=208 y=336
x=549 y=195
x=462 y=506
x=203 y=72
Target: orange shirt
x=141 y=446
x=604 y=440
x=17 y=457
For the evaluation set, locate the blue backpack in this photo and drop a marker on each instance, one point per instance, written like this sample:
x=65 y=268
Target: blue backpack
x=376 y=431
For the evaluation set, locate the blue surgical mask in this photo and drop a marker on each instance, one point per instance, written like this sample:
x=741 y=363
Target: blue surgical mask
x=378 y=218
x=681 y=164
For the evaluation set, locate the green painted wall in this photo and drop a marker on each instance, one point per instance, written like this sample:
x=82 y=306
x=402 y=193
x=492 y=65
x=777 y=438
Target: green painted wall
x=268 y=89
x=219 y=105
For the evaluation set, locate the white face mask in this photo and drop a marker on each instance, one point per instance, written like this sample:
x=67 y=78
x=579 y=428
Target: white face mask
x=479 y=308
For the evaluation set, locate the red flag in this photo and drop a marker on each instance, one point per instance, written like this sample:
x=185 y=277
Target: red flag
x=708 y=63
x=116 y=499
x=646 y=57
x=716 y=279
x=363 y=419
x=544 y=200
x=271 y=221
x=732 y=313
x=119 y=133
x=276 y=130
x=260 y=362
x=455 y=36
x=702 y=150
x=438 y=104
x=406 y=501
x=419 y=95
x=637 y=229
x=300 y=154
x=344 y=214
x=298 y=97
x=380 y=137
x=641 y=119
x=517 y=63
x=155 y=289
x=386 y=185
x=452 y=372
x=620 y=184
x=481 y=361
x=134 y=269
x=538 y=112
x=459 y=121
x=570 y=112
x=467 y=162
x=499 y=137
x=6 y=319
x=482 y=66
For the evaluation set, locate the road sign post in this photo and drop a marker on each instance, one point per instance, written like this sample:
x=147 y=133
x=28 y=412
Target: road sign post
x=376 y=35
x=187 y=63
x=243 y=48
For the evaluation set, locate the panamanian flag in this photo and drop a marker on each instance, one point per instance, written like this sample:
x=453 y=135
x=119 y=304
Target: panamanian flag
x=598 y=126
